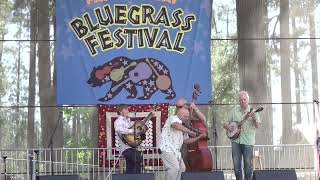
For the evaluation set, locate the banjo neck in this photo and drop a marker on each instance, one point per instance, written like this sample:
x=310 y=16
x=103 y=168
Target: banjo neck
x=245 y=117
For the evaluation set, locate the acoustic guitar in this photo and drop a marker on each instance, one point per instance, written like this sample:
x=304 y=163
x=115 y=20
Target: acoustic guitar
x=140 y=128
x=140 y=72
x=235 y=127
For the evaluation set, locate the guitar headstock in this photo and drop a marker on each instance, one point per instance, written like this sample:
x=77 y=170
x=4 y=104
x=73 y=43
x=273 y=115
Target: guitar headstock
x=259 y=109
x=153 y=108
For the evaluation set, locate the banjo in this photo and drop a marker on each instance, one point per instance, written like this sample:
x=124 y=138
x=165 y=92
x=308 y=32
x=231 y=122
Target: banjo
x=235 y=127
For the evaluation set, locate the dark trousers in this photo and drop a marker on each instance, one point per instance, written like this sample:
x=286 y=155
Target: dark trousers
x=133 y=161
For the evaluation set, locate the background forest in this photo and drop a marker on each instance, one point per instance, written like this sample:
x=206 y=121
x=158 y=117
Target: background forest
x=268 y=47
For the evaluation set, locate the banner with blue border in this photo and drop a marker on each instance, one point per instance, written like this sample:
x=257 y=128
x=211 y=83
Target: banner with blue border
x=132 y=51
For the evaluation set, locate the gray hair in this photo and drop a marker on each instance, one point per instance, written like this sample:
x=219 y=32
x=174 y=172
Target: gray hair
x=243 y=93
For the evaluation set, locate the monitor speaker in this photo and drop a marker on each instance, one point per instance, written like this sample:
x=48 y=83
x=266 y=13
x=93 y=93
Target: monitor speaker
x=289 y=174
x=213 y=175
x=145 y=176
x=58 y=177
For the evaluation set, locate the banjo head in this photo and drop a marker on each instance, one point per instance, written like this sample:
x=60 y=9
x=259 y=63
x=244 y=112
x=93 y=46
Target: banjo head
x=233 y=129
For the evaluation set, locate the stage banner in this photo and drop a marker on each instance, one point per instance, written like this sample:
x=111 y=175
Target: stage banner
x=132 y=52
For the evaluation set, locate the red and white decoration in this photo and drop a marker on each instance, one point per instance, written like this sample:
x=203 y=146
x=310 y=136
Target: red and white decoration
x=107 y=116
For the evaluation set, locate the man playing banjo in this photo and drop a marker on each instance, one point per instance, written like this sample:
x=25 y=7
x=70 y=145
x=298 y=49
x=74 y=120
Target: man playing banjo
x=242 y=146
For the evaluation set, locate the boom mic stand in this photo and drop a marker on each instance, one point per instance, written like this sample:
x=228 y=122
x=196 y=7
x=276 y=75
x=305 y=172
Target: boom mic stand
x=215 y=137
x=51 y=141
x=5 y=166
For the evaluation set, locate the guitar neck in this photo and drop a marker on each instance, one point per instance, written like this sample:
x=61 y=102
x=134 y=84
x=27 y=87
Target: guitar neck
x=147 y=118
x=245 y=118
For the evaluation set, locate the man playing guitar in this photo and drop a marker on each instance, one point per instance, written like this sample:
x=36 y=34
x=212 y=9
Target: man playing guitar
x=242 y=146
x=123 y=125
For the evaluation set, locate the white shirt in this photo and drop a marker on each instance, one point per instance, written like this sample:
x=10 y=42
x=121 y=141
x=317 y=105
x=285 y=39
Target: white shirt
x=121 y=126
x=172 y=139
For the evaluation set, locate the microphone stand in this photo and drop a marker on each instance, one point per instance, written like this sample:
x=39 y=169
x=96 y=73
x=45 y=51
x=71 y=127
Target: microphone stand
x=215 y=138
x=5 y=167
x=51 y=141
x=36 y=161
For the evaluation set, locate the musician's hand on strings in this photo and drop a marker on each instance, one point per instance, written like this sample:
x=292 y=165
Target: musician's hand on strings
x=193 y=106
x=192 y=134
x=226 y=126
x=130 y=131
x=230 y=128
x=253 y=116
x=203 y=135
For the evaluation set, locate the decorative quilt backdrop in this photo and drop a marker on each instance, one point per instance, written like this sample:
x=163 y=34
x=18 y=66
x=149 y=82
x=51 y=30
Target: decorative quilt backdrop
x=108 y=138
x=132 y=51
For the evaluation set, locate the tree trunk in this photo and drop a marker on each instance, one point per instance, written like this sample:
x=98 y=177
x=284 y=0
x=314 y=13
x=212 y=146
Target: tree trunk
x=267 y=117
x=251 y=19
x=95 y=128
x=49 y=115
x=1 y=45
x=1 y=82
x=296 y=71
x=74 y=126
x=44 y=70
x=313 y=51
x=285 y=72
x=18 y=133
x=32 y=78
x=59 y=138
x=79 y=117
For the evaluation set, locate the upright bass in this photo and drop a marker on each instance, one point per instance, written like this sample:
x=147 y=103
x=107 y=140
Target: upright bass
x=197 y=156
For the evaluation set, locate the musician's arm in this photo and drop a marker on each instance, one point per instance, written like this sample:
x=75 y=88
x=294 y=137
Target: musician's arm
x=227 y=120
x=121 y=128
x=191 y=140
x=226 y=125
x=256 y=120
x=182 y=128
x=200 y=115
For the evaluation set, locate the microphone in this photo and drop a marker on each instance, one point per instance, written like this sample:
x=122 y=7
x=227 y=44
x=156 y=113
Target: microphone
x=315 y=101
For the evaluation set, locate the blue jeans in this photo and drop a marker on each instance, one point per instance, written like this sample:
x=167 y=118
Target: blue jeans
x=245 y=151
x=133 y=161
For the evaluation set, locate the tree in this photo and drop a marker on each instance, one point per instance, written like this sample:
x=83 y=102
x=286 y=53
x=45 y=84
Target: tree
x=297 y=71
x=313 y=50
x=5 y=7
x=285 y=71
x=32 y=77
x=251 y=19
x=47 y=96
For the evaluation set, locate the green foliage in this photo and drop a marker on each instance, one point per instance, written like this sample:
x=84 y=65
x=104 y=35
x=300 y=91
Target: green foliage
x=5 y=10
x=3 y=82
x=79 y=119
x=225 y=72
